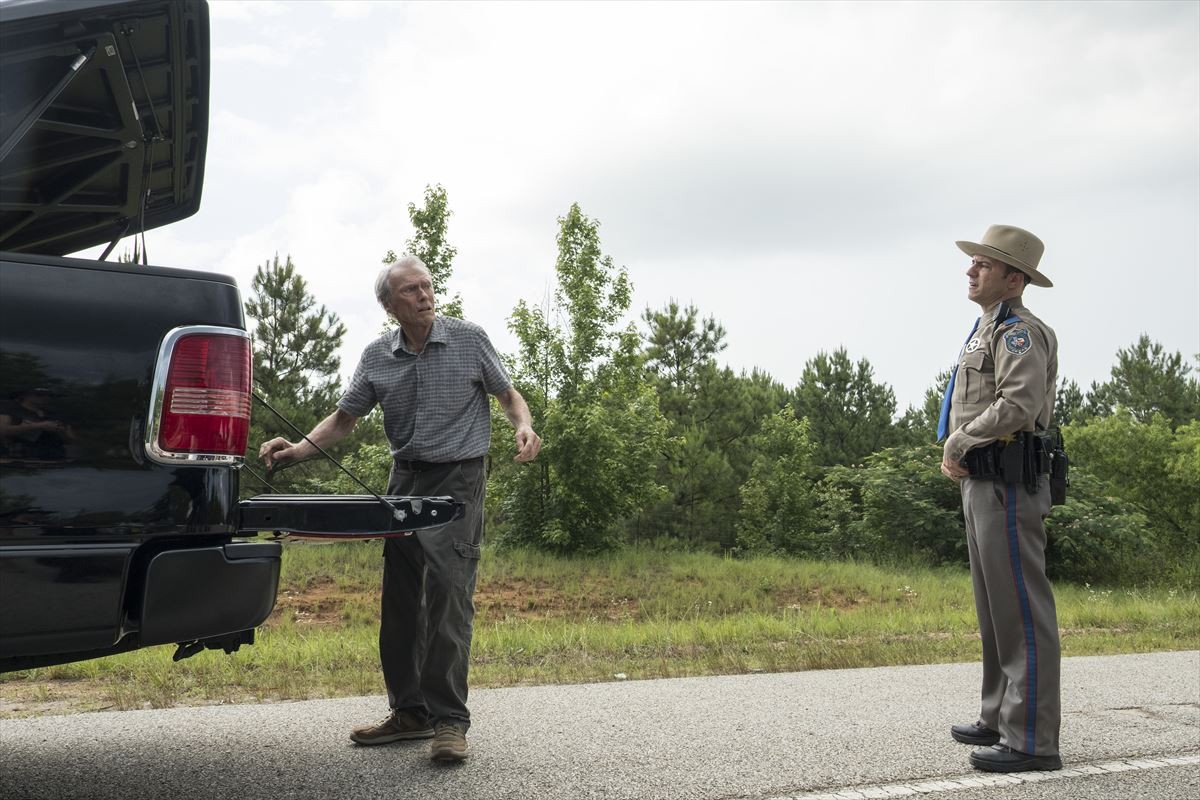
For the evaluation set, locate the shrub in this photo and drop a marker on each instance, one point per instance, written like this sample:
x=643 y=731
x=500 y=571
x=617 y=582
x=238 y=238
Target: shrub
x=1097 y=537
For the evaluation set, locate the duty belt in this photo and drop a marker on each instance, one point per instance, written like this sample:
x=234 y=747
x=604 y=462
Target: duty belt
x=1024 y=459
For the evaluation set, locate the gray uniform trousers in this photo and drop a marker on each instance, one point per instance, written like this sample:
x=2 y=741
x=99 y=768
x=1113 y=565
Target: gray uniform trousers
x=428 y=607
x=1006 y=540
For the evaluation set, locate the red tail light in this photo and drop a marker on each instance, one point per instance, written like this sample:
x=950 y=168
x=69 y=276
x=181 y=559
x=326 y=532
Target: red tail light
x=202 y=396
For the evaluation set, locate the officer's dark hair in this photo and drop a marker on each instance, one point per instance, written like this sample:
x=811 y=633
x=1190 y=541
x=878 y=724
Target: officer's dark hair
x=1010 y=269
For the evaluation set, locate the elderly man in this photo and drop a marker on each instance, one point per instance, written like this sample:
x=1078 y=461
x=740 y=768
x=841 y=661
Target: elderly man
x=1001 y=392
x=432 y=377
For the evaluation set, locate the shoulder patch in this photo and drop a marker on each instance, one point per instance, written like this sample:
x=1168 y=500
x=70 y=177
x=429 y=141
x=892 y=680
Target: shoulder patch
x=1017 y=341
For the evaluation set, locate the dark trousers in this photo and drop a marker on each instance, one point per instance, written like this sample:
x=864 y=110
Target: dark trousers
x=427 y=605
x=1018 y=623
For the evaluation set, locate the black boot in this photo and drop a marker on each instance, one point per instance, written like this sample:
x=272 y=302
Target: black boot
x=1001 y=758
x=976 y=733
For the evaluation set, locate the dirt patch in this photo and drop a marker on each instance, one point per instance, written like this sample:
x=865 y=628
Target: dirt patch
x=796 y=598
x=28 y=699
x=518 y=598
x=320 y=603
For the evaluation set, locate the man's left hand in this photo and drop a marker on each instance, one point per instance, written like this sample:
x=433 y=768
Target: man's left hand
x=529 y=444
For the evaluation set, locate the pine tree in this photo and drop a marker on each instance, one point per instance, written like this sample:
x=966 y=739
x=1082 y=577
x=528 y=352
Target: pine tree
x=296 y=359
x=850 y=415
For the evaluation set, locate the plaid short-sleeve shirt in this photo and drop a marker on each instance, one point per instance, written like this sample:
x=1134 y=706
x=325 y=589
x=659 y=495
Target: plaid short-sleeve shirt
x=435 y=404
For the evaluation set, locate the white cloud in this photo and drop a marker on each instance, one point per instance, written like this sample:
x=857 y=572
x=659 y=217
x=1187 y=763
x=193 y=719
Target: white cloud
x=262 y=54
x=352 y=9
x=246 y=10
x=798 y=170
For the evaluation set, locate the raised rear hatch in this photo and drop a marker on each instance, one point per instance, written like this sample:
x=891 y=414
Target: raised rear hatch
x=103 y=119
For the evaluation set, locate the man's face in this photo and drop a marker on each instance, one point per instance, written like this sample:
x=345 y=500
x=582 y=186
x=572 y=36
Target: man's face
x=987 y=283
x=411 y=297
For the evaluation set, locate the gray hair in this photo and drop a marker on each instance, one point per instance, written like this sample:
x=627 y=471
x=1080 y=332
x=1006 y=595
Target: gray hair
x=383 y=285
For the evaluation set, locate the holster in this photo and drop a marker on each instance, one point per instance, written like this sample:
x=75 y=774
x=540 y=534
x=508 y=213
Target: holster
x=1051 y=444
x=1003 y=460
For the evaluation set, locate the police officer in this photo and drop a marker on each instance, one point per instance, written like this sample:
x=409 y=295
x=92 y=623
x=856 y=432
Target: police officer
x=1001 y=391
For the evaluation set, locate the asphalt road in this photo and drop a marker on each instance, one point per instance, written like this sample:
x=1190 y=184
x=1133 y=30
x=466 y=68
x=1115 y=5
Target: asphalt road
x=1131 y=728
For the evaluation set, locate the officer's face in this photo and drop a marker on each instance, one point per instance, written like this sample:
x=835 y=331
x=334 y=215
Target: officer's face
x=987 y=283
x=410 y=298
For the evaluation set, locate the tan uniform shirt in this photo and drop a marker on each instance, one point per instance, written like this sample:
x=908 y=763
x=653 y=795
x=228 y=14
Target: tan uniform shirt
x=1006 y=380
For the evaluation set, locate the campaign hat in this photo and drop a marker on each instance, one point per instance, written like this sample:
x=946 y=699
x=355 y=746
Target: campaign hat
x=1014 y=246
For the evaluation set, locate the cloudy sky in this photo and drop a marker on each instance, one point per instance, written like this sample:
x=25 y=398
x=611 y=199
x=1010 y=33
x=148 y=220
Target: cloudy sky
x=800 y=171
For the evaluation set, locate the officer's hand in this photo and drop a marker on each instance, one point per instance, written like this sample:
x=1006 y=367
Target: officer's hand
x=277 y=451
x=953 y=470
x=529 y=444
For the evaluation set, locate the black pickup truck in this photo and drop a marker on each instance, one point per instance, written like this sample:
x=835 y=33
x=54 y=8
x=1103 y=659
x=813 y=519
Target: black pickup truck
x=125 y=389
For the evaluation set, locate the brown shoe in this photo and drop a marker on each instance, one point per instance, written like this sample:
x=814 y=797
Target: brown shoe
x=449 y=743
x=398 y=726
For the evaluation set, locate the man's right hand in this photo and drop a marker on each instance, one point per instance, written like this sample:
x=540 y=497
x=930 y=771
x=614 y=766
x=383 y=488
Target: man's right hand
x=953 y=470
x=276 y=452
x=329 y=431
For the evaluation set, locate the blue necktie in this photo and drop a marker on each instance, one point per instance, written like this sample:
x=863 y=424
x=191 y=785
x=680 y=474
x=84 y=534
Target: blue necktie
x=944 y=418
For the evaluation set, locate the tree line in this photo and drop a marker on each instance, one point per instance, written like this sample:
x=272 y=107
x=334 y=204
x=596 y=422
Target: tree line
x=648 y=439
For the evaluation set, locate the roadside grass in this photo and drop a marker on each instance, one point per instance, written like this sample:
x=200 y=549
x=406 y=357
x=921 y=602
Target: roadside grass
x=637 y=613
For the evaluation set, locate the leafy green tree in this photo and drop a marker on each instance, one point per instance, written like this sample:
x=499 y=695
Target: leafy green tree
x=582 y=376
x=680 y=353
x=849 y=413
x=734 y=407
x=1133 y=507
x=295 y=341
x=1147 y=380
x=711 y=458
x=296 y=359
x=680 y=350
x=778 y=500
x=1183 y=469
x=714 y=414
x=1070 y=403
x=429 y=244
x=895 y=506
x=1098 y=537
x=1145 y=463
x=593 y=295
x=702 y=489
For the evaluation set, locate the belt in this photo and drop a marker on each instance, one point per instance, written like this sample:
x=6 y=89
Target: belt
x=412 y=465
x=1026 y=457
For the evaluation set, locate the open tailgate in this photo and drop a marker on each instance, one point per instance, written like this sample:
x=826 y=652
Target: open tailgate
x=345 y=516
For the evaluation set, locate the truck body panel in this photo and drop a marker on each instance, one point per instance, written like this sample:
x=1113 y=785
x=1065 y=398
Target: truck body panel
x=125 y=389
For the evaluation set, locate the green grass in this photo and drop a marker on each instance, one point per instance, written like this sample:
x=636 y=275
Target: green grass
x=641 y=613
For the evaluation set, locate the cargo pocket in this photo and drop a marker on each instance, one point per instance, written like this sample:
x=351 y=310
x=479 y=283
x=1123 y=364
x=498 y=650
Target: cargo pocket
x=465 y=566
x=467 y=550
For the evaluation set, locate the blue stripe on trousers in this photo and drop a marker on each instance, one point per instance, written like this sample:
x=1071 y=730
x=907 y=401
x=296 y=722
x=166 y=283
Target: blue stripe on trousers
x=1014 y=557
